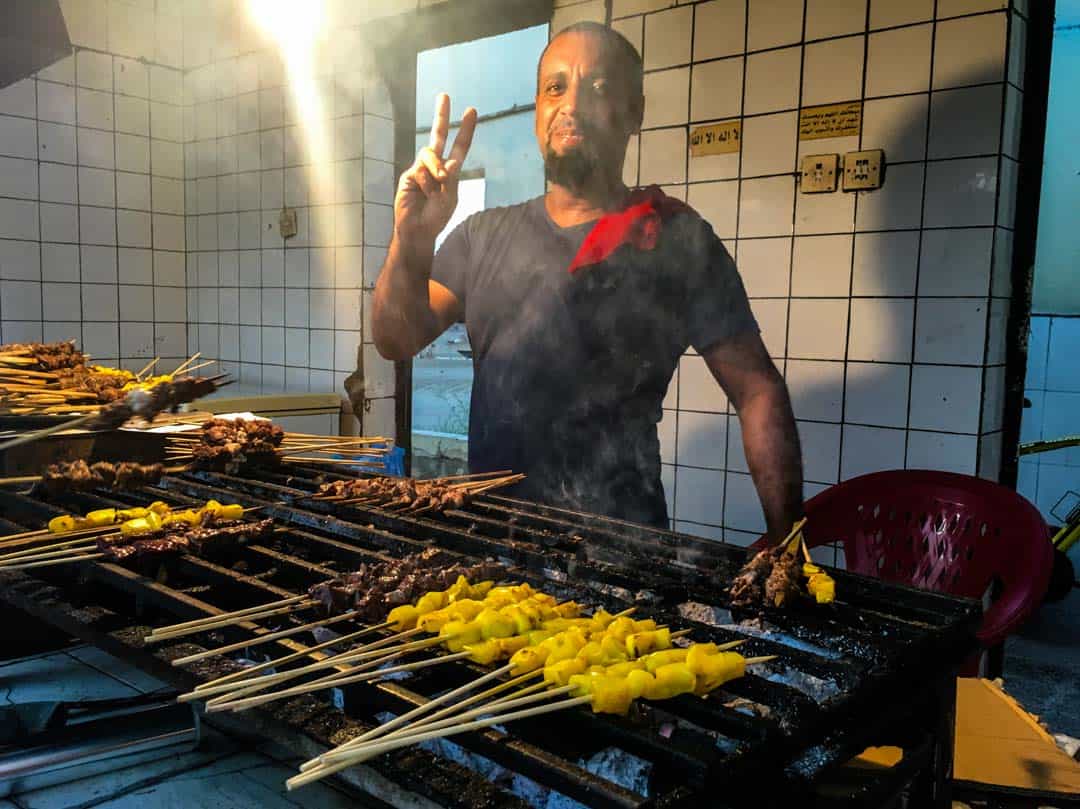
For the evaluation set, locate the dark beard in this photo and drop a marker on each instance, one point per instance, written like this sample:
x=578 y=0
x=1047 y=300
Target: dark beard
x=574 y=171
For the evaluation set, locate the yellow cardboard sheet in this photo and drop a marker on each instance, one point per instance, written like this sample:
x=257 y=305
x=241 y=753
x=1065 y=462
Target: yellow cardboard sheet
x=998 y=742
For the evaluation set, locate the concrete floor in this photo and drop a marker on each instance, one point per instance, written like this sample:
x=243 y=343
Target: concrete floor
x=1042 y=665
x=222 y=772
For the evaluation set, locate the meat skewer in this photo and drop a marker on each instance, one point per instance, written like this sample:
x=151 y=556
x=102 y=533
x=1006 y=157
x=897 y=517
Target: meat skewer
x=407 y=495
x=79 y=476
x=774 y=576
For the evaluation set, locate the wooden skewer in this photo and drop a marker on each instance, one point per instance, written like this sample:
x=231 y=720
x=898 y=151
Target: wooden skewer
x=385 y=745
x=187 y=362
x=794 y=532
x=32 y=537
x=254 y=616
x=48 y=549
x=196 y=367
x=243 y=673
x=49 y=562
x=147 y=367
x=212 y=618
x=244 y=644
x=26 y=438
x=392 y=744
x=242 y=679
x=363 y=653
x=333 y=682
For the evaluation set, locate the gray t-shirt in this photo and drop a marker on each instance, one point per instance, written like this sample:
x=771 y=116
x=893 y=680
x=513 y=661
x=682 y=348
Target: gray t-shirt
x=570 y=370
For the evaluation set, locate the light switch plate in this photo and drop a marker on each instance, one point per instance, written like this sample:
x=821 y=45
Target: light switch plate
x=864 y=170
x=819 y=173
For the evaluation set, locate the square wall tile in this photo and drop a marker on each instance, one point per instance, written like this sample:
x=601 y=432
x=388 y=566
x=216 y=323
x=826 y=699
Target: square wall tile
x=94 y=109
x=990 y=457
x=896 y=125
x=885 y=264
x=961 y=193
x=769 y=144
x=135 y=266
x=666 y=97
x=101 y=339
x=716 y=89
x=993 y=404
x=20 y=261
x=666 y=434
x=765 y=266
x=832 y=18
x=742 y=507
x=1052 y=347
x=22 y=300
x=772 y=80
x=950 y=330
x=718 y=204
x=136 y=304
x=945 y=398
x=824 y=213
x=965 y=122
x=816 y=389
x=1007 y=179
x=833 y=71
x=18 y=178
x=100 y=302
x=1014 y=109
x=881 y=329
x=668 y=38
x=663 y=156
x=56 y=142
x=699 y=495
x=821 y=267
x=897 y=205
x=942 y=451
x=698 y=389
x=94 y=70
x=773 y=23
x=19 y=98
x=772 y=318
x=817 y=328
x=888 y=13
x=871 y=449
x=62 y=302
x=821 y=451
x=765 y=207
x=877 y=394
x=956 y=262
x=633 y=29
x=702 y=439
x=1017 y=51
x=719 y=29
x=970 y=50
x=898 y=61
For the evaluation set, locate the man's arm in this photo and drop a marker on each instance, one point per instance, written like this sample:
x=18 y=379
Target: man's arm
x=411 y=310
x=748 y=376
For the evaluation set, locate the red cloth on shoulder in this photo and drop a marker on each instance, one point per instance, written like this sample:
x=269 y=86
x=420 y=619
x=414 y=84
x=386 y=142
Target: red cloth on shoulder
x=639 y=224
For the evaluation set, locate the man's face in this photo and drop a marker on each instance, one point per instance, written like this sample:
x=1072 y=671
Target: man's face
x=584 y=115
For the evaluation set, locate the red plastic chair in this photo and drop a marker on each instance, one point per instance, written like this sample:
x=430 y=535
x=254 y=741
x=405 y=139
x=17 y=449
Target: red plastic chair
x=941 y=531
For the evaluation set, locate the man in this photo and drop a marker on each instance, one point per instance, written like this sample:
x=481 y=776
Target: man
x=580 y=303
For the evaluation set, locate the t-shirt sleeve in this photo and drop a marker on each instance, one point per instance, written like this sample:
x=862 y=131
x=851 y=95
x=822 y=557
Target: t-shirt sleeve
x=451 y=264
x=717 y=307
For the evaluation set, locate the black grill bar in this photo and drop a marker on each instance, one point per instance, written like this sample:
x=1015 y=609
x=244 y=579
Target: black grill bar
x=871 y=643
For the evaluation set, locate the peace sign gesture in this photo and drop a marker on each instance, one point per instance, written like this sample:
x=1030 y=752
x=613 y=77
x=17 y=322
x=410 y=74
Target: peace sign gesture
x=427 y=192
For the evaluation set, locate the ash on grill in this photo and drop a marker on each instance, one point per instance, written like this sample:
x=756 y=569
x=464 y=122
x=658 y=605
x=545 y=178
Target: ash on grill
x=79 y=476
x=206 y=542
x=374 y=588
x=227 y=445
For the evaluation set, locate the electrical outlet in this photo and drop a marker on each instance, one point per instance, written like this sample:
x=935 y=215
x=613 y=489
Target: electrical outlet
x=864 y=170
x=819 y=173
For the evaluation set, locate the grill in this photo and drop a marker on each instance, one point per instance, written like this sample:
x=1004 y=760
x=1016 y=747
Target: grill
x=876 y=668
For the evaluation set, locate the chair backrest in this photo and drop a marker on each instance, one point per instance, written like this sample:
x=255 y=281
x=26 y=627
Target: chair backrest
x=941 y=531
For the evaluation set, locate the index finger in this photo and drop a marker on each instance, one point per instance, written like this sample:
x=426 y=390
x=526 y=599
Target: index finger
x=441 y=125
x=464 y=137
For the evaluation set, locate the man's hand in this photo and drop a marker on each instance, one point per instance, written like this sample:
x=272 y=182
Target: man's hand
x=427 y=192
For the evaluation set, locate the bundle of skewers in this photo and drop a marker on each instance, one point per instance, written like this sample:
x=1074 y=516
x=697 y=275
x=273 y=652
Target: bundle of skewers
x=230 y=445
x=539 y=648
x=782 y=575
x=144 y=536
x=414 y=496
x=57 y=379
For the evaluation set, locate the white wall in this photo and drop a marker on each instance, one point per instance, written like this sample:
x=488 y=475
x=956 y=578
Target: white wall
x=91 y=190
x=886 y=309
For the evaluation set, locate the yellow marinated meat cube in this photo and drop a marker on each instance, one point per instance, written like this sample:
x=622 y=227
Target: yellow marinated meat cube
x=63 y=524
x=568 y=609
x=508 y=646
x=640 y=682
x=614 y=650
x=101 y=516
x=593 y=653
x=697 y=653
x=429 y=602
x=433 y=622
x=717 y=669
x=624 y=668
x=485 y=652
x=822 y=587
x=125 y=514
x=662 y=658
x=403 y=617
x=528 y=659
x=233 y=511
x=560 y=672
x=465 y=610
x=641 y=643
x=610 y=695
x=522 y=622
x=672 y=680
x=494 y=625
x=602 y=619
x=160 y=508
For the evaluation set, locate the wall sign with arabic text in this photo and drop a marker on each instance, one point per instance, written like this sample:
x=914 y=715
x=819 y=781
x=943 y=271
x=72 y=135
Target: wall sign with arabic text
x=830 y=121
x=722 y=138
